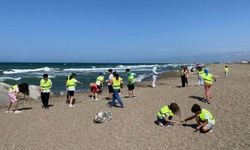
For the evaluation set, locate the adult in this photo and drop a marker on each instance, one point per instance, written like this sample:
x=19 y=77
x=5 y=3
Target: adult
x=154 y=76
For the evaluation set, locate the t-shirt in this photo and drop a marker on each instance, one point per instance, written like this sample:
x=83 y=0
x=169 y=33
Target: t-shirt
x=110 y=78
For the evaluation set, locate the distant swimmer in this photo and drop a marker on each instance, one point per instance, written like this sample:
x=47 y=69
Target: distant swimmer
x=45 y=87
x=204 y=119
x=15 y=91
x=166 y=114
x=208 y=79
x=226 y=70
x=154 y=76
x=131 y=83
x=71 y=87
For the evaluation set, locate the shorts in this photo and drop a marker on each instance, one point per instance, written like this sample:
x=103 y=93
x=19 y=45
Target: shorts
x=71 y=93
x=209 y=125
x=131 y=87
x=12 y=97
x=163 y=120
x=111 y=90
x=94 y=88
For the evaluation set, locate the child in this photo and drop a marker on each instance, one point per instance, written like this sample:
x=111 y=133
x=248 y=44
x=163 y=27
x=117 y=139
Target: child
x=131 y=83
x=205 y=120
x=117 y=85
x=166 y=114
x=13 y=92
x=208 y=79
x=45 y=86
x=110 y=87
x=94 y=91
x=71 y=86
x=99 y=81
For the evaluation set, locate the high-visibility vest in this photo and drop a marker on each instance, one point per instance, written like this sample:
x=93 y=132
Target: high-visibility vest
x=226 y=69
x=131 y=79
x=203 y=115
x=99 y=80
x=207 y=78
x=164 y=112
x=45 y=85
x=13 y=88
x=117 y=83
x=71 y=83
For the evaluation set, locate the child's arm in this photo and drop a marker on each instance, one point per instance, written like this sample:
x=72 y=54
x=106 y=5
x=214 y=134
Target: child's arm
x=202 y=125
x=190 y=118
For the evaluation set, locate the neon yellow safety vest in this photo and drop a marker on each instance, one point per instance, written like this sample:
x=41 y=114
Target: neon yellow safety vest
x=226 y=69
x=200 y=72
x=117 y=83
x=99 y=80
x=13 y=88
x=203 y=115
x=164 y=112
x=71 y=83
x=45 y=85
x=207 y=78
x=131 y=79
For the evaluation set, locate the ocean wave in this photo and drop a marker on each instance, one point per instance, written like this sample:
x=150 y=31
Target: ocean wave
x=19 y=71
x=10 y=78
x=141 y=77
x=103 y=69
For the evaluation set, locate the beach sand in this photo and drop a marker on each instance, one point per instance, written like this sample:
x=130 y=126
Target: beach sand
x=133 y=127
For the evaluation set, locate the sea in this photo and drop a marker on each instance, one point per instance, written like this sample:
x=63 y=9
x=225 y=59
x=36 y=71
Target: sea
x=31 y=73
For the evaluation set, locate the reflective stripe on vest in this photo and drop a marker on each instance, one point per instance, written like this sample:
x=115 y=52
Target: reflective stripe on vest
x=45 y=85
x=165 y=111
x=203 y=115
x=99 y=80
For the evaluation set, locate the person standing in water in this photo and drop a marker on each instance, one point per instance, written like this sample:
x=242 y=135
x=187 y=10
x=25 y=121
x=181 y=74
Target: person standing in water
x=208 y=79
x=71 y=86
x=45 y=86
x=226 y=71
x=155 y=75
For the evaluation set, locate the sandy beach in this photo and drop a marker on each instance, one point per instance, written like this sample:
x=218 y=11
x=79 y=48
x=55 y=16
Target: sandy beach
x=133 y=128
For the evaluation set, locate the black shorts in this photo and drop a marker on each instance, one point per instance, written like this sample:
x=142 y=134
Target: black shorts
x=111 y=90
x=71 y=93
x=131 y=87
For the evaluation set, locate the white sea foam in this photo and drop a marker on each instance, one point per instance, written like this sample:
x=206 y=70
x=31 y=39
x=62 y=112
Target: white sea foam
x=10 y=78
x=141 y=77
x=18 y=71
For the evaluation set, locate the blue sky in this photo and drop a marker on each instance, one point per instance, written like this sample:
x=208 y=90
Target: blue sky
x=124 y=30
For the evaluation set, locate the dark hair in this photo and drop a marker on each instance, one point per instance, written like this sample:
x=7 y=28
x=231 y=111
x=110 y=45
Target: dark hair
x=175 y=109
x=110 y=70
x=24 y=88
x=71 y=76
x=127 y=70
x=116 y=75
x=45 y=76
x=226 y=66
x=196 y=108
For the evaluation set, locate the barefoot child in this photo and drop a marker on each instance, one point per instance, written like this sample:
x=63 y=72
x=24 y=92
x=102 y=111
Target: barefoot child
x=208 y=79
x=94 y=91
x=166 y=114
x=71 y=86
x=131 y=83
x=205 y=120
x=14 y=91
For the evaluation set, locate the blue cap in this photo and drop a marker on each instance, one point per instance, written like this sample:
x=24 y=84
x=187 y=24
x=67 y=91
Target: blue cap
x=206 y=70
x=101 y=73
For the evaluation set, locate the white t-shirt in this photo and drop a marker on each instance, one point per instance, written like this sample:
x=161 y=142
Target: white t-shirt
x=209 y=119
x=110 y=78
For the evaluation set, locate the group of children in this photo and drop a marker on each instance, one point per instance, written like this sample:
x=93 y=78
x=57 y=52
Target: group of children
x=205 y=120
x=115 y=83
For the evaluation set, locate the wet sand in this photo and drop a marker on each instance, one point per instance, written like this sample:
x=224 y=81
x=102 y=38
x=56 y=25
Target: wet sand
x=133 y=127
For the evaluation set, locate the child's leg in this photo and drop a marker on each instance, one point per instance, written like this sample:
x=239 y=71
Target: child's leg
x=16 y=108
x=206 y=91
x=9 y=106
